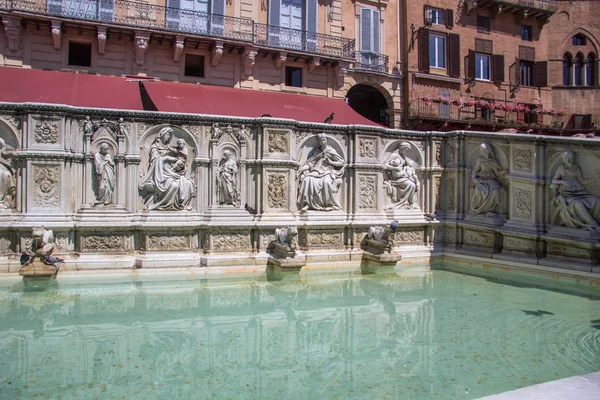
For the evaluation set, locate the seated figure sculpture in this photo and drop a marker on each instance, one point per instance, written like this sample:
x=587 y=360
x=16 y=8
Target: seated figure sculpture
x=403 y=184
x=573 y=205
x=487 y=176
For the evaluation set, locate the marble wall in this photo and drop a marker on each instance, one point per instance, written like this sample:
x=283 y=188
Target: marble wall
x=127 y=189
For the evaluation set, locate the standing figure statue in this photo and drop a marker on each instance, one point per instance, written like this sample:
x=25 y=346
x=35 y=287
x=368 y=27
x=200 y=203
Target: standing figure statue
x=320 y=178
x=403 y=184
x=227 y=192
x=7 y=176
x=573 y=206
x=106 y=177
x=487 y=178
x=164 y=187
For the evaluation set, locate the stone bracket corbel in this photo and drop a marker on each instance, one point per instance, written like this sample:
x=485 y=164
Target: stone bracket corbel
x=101 y=39
x=178 y=48
x=313 y=63
x=249 y=60
x=142 y=39
x=13 y=29
x=56 y=34
x=340 y=70
x=281 y=58
x=216 y=53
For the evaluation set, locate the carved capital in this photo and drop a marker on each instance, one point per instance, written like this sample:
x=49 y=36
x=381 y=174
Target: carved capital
x=178 y=48
x=314 y=63
x=101 y=39
x=56 y=34
x=217 y=52
x=249 y=60
x=340 y=70
x=142 y=39
x=12 y=27
x=280 y=59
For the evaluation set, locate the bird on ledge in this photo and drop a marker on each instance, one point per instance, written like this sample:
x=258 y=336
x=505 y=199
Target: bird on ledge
x=329 y=119
x=249 y=209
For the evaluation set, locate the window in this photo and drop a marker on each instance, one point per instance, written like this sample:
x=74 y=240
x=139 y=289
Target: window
x=80 y=54
x=578 y=73
x=198 y=16
x=293 y=76
x=437 y=51
x=194 y=65
x=589 y=70
x=530 y=117
x=526 y=32
x=482 y=66
x=369 y=39
x=567 y=70
x=437 y=16
x=526 y=73
x=292 y=23
x=578 y=40
x=483 y=24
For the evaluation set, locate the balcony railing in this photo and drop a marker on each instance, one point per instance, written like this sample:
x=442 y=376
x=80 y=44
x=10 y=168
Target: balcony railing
x=473 y=114
x=543 y=5
x=370 y=61
x=310 y=42
x=144 y=15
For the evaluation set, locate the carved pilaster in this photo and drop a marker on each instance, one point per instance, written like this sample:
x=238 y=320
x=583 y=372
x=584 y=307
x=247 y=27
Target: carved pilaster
x=280 y=59
x=340 y=70
x=142 y=39
x=56 y=34
x=249 y=60
x=12 y=27
x=314 y=63
x=178 y=48
x=101 y=39
x=217 y=52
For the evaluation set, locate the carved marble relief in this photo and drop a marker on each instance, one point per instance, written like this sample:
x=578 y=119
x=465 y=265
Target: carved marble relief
x=404 y=235
x=231 y=241
x=320 y=178
x=523 y=159
x=401 y=182
x=451 y=193
x=514 y=243
x=277 y=142
x=479 y=238
x=436 y=190
x=324 y=238
x=367 y=192
x=165 y=185
x=166 y=242
x=573 y=205
x=106 y=178
x=277 y=191
x=102 y=243
x=227 y=180
x=488 y=181
x=46 y=186
x=7 y=176
x=523 y=203
x=366 y=147
x=46 y=132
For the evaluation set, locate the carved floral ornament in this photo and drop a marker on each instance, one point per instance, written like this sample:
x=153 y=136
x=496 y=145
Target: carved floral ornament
x=46 y=132
x=46 y=191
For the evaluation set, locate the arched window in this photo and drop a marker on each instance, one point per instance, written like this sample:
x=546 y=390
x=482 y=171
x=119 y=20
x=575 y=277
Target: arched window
x=590 y=66
x=578 y=75
x=579 y=40
x=567 y=70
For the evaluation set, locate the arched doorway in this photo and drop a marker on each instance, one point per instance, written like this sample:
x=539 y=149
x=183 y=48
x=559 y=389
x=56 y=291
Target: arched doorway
x=370 y=103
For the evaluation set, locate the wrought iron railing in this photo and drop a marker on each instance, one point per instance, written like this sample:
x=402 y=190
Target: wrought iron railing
x=483 y=115
x=546 y=5
x=370 y=61
x=294 y=39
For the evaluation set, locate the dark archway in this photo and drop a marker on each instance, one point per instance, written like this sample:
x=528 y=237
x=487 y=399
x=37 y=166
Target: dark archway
x=370 y=103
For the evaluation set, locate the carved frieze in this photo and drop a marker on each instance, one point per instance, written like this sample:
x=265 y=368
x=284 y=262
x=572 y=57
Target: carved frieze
x=102 y=243
x=166 y=242
x=366 y=147
x=46 y=186
x=450 y=235
x=568 y=250
x=325 y=238
x=409 y=235
x=232 y=241
x=277 y=196
x=438 y=152
x=451 y=193
x=523 y=203
x=277 y=142
x=46 y=132
x=367 y=192
x=523 y=159
x=479 y=238
x=514 y=243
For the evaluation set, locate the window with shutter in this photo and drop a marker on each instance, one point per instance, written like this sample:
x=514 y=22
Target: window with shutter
x=483 y=24
x=540 y=73
x=369 y=38
x=498 y=68
x=54 y=6
x=454 y=55
x=311 y=25
x=173 y=12
x=444 y=110
x=471 y=65
x=107 y=10
x=424 y=51
x=217 y=26
x=437 y=51
x=274 y=21
x=449 y=18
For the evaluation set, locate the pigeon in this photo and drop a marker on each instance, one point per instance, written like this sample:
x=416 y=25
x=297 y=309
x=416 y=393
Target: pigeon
x=25 y=259
x=51 y=260
x=266 y=115
x=430 y=216
x=394 y=225
x=249 y=209
x=329 y=119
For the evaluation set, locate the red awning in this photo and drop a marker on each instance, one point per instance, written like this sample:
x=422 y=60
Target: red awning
x=21 y=85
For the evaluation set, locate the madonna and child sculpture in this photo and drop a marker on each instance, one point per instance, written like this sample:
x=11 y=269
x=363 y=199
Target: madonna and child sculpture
x=164 y=186
x=320 y=178
x=403 y=185
x=7 y=176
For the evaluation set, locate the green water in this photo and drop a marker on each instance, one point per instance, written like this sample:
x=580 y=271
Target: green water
x=433 y=335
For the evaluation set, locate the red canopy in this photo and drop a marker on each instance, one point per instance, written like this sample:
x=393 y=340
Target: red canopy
x=21 y=85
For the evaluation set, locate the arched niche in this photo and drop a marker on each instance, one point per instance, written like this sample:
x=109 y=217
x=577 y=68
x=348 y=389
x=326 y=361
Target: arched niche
x=414 y=153
x=9 y=135
x=178 y=134
x=310 y=145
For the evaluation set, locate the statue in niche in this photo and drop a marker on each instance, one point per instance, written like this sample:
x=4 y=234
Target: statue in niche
x=120 y=128
x=487 y=178
x=573 y=206
x=227 y=192
x=320 y=178
x=403 y=184
x=7 y=176
x=165 y=186
x=216 y=132
x=105 y=174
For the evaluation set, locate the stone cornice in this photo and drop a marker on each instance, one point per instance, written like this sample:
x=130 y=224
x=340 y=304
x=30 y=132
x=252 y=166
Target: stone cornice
x=48 y=155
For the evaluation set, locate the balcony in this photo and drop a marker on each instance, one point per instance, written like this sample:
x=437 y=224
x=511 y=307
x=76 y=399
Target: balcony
x=366 y=60
x=484 y=115
x=528 y=8
x=149 y=16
